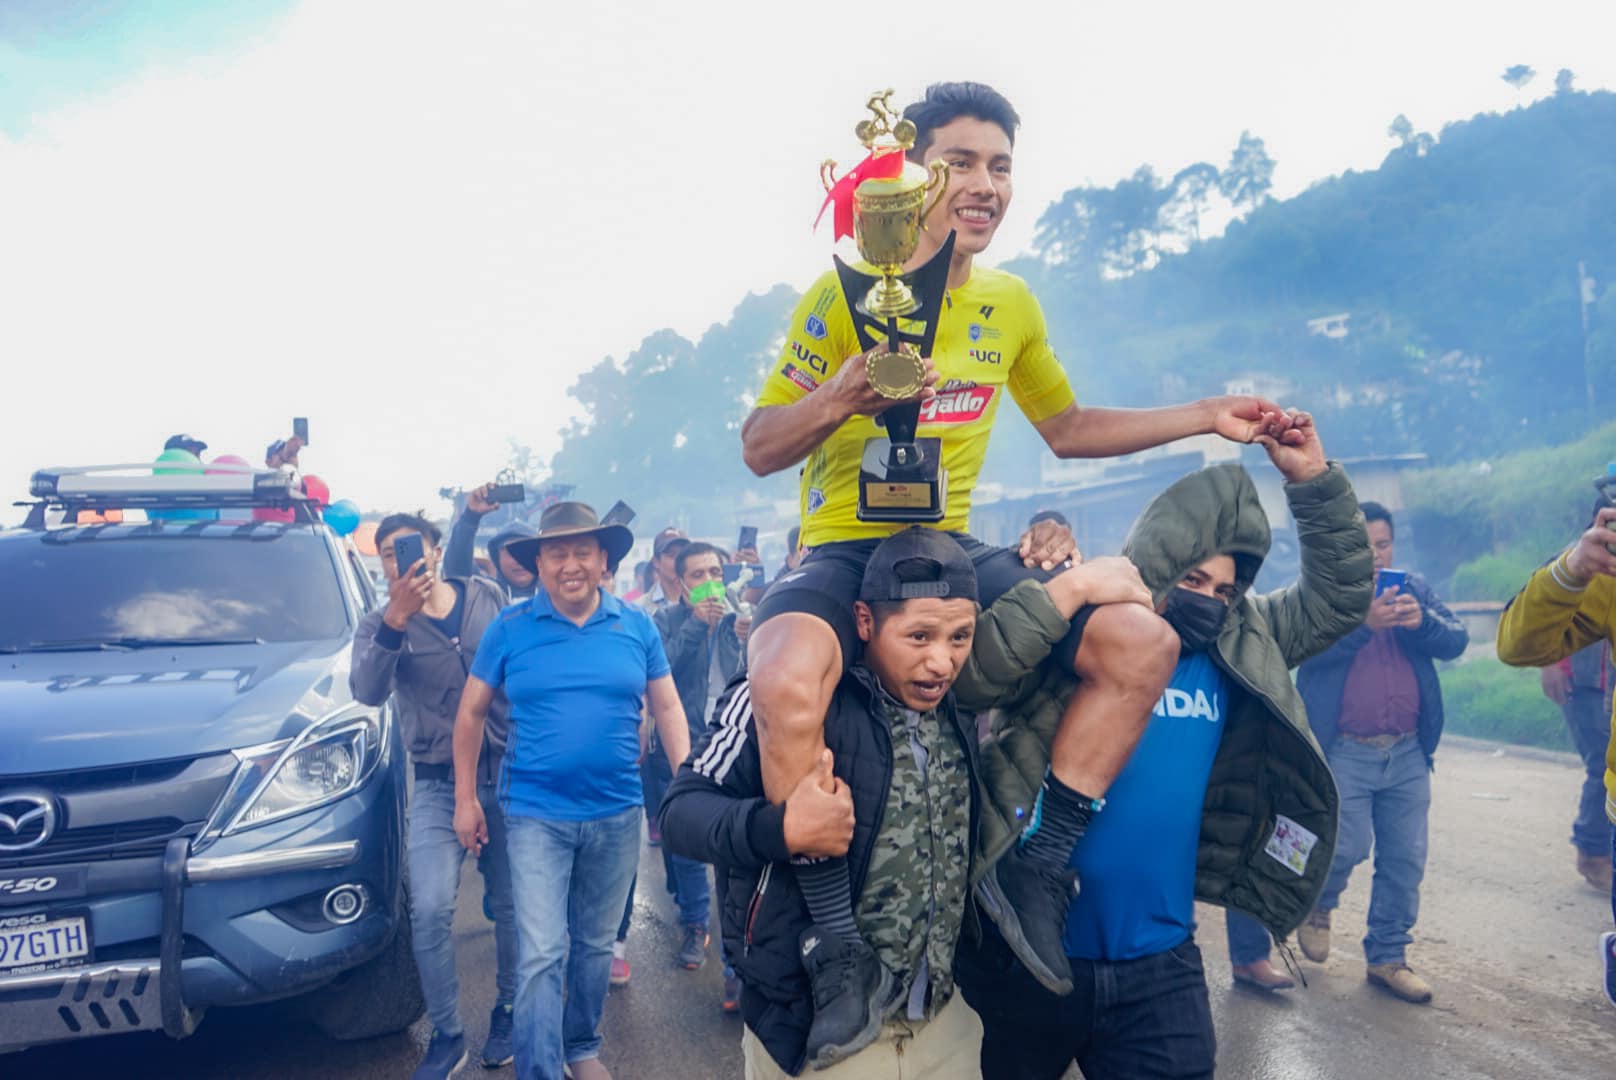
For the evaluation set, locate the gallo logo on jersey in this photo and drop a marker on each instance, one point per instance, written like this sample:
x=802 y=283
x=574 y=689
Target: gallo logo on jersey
x=800 y=377
x=957 y=403
x=1182 y=705
x=812 y=360
x=815 y=326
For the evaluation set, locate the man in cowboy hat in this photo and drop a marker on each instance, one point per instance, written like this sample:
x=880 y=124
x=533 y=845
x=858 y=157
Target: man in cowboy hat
x=575 y=664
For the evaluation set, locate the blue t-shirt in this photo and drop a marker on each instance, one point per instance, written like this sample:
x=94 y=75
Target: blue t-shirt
x=575 y=694
x=1137 y=863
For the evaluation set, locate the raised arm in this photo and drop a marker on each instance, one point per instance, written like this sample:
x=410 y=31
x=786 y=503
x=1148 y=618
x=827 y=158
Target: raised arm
x=1557 y=614
x=1093 y=432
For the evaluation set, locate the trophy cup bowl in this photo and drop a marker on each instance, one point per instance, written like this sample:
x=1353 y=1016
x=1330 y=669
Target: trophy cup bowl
x=887 y=219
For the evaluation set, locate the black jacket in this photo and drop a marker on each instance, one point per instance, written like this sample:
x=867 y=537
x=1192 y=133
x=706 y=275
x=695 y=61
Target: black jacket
x=689 y=646
x=715 y=811
x=1441 y=636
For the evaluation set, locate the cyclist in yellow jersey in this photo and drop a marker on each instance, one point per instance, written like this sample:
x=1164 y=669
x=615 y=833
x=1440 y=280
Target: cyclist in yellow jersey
x=991 y=341
x=816 y=410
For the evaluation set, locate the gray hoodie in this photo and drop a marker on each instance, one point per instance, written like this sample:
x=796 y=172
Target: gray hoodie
x=426 y=674
x=459 y=560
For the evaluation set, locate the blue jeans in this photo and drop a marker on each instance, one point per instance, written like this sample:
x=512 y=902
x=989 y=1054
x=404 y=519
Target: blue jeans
x=1385 y=802
x=686 y=879
x=1144 y=1019
x=435 y=857
x=1588 y=718
x=570 y=879
x=1248 y=939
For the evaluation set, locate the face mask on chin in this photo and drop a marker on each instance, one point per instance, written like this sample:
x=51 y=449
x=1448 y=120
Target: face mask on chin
x=1197 y=618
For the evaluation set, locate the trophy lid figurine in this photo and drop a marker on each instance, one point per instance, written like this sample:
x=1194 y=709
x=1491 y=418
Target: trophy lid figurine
x=882 y=203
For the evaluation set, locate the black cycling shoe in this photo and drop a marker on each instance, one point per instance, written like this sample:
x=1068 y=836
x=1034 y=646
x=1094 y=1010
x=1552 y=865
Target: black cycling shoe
x=1028 y=901
x=850 y=989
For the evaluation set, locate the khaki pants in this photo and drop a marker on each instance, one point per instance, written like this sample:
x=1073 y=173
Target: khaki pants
x=947 y=1048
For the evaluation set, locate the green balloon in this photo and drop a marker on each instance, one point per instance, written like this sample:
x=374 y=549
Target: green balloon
x=180 y=461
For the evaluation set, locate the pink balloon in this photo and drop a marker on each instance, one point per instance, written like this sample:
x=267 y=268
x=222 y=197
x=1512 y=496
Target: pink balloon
x=227 y=459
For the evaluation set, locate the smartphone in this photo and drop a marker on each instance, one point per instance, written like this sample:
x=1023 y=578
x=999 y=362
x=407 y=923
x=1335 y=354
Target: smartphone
x=748 y=540
x=732 y=572
x=408 y=550
x=508 y=494
x=300 y=428
x=621 y=513
x=1387 y=579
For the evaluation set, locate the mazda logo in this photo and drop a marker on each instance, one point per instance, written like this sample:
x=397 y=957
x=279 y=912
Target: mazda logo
x=26 y=821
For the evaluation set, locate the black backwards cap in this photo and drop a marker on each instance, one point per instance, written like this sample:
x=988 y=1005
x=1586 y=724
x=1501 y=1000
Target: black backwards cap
x=918 y=563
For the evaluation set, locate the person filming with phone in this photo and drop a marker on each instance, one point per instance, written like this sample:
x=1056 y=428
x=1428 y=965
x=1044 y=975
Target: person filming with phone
x=459 y=557
x=417 y=649
x=1375 y=704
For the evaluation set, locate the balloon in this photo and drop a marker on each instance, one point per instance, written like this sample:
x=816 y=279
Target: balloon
x=178 y=461
x=316 y=489
x=364 y=538
x=228 y=459
x=342 y=516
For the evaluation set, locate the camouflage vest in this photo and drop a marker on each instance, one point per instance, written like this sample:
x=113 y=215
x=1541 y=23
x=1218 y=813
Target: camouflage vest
x=917 y=886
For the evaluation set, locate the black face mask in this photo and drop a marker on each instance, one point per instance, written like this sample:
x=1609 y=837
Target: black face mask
x=1197 y=618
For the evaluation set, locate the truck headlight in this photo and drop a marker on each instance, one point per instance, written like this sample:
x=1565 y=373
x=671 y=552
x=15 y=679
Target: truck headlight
x=331 y=759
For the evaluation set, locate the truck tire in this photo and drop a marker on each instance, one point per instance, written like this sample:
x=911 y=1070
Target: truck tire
x=379 y=997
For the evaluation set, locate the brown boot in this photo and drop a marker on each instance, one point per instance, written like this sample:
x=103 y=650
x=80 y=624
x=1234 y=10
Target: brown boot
x=1595 y=870
x=1314 y=936
x=1400 y=979
x=1262 y=975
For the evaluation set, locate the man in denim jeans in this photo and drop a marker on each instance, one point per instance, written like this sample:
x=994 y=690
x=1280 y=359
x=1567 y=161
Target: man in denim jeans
x=418 y=650
x=1376 y=706
x=576 y=665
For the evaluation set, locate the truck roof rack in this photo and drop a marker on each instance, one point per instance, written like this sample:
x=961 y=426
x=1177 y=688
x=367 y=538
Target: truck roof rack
x=142 y=487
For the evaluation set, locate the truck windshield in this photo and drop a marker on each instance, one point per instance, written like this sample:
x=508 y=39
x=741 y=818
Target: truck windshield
x=119 y=590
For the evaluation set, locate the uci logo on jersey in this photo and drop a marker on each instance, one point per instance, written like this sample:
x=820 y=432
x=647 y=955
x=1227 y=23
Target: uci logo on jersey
x=816 y=327
x=812 y=360
x=988 y=356
x=1182 y=705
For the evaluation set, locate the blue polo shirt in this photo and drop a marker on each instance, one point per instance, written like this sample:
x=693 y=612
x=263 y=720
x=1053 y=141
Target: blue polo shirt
x=575 y=694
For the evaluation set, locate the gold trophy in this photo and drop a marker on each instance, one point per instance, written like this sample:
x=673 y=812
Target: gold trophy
x=901 y=478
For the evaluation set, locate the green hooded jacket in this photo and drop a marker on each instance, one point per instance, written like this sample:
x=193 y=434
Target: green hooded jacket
x=1269 y=770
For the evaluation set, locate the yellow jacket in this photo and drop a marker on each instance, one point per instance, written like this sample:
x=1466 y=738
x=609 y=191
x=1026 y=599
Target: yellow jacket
x=1552 y=618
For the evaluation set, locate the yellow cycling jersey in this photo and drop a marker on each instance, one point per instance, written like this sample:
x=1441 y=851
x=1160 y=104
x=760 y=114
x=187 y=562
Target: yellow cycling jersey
x=990 y=338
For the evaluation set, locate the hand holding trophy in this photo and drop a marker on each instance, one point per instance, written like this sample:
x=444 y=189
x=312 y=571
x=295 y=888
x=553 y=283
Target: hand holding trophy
x=882 y=204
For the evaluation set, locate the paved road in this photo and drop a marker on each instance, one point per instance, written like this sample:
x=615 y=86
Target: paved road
x=1506 y=936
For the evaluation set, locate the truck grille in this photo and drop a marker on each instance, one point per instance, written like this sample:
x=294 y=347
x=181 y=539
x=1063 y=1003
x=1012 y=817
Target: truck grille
x=126 y=811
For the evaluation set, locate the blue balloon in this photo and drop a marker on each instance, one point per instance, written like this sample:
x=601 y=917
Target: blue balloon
x=342 y=516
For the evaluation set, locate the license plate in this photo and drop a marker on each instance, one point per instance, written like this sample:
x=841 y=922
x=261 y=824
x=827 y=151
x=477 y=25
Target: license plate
x=41 y=941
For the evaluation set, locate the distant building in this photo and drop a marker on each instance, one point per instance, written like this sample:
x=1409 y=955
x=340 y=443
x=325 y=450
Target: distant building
x=1330 y=326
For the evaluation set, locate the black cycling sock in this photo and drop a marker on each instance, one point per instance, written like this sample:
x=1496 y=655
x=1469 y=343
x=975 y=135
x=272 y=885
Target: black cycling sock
x=1060 y=817
x=829 y=893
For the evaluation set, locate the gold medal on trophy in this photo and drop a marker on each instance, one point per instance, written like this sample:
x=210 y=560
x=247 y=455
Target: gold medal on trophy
x=882 y=203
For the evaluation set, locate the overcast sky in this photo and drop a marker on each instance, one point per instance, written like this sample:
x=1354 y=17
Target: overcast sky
x=415 y=223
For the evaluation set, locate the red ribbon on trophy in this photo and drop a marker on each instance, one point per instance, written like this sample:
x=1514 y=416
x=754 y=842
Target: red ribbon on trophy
x=884 y=163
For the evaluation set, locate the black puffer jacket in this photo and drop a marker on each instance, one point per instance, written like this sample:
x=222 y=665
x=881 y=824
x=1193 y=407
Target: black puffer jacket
x=715 y=811
x=690 y=646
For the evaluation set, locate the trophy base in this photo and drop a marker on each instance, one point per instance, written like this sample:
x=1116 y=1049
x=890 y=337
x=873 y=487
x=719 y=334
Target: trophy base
x=906 y=494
